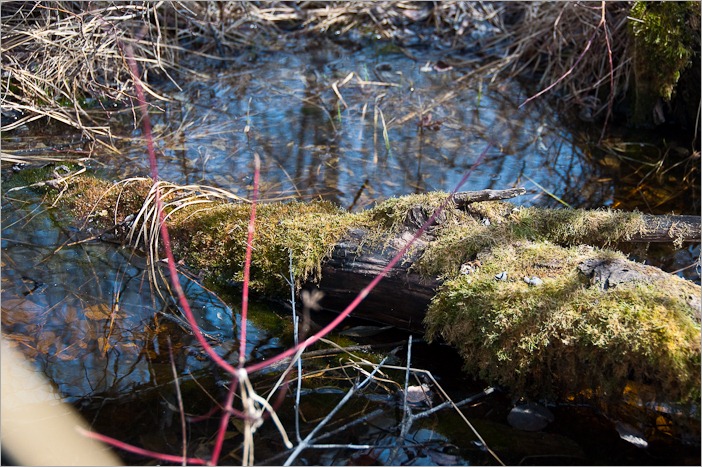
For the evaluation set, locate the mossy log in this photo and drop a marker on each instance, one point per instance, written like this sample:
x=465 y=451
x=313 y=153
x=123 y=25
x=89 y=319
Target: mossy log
x=533 y=298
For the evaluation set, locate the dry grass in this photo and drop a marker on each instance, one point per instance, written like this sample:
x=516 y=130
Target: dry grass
x=65 y=60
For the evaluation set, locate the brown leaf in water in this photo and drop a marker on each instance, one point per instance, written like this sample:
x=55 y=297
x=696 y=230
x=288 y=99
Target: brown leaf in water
x=70 y=314
x=19 y=310
x=97 y=312
x=45 y=340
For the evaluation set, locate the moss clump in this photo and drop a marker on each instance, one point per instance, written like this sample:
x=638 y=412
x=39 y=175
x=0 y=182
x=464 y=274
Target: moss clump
x=566 y=335
x=214 y=239
x=558 y=338
x=508 y=224
x=664 y=40
x=392 y=214
x=666 y=34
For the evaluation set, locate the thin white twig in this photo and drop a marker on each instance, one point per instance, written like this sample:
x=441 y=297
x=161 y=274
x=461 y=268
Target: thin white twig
x=307 y=441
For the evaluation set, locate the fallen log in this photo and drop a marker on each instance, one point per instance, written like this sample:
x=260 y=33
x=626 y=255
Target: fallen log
x=535 y=299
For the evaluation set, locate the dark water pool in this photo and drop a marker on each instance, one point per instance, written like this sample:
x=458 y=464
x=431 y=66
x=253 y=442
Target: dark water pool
x=352 y=127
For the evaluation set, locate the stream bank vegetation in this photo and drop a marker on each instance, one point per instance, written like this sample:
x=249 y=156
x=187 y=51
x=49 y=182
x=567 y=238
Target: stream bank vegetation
x=635 y=63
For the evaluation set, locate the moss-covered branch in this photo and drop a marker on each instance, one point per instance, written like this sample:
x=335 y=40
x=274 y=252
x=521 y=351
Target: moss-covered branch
x=528 y=296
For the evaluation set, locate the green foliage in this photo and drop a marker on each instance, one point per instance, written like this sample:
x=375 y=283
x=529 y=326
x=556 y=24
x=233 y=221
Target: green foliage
x=459 y=243
x=557 y=338
x=664 y=40
x=214 y=239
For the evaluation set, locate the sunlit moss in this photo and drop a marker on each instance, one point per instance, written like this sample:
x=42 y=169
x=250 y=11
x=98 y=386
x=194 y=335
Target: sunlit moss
x=214 y=239
x=458 y=244
x=666 y=34
x=665 y=41
x=560 y=337
x=565 y=334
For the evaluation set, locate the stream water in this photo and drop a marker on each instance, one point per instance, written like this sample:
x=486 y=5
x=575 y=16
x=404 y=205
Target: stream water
x=328 y=121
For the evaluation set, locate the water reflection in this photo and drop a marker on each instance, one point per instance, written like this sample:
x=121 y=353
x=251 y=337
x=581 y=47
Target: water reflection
x=88 y=314
x=90 y=317
x=331 y=124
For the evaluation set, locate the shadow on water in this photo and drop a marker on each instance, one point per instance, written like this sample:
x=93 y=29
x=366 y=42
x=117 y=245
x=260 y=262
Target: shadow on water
x=350 y=127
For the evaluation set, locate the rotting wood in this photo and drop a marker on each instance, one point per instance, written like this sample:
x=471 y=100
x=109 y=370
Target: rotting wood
x=402 y=297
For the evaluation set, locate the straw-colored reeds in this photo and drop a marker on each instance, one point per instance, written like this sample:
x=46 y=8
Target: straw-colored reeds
x=65 y=60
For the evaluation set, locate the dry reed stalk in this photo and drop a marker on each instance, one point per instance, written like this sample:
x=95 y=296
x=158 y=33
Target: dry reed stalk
x=66 y=62
x=63 y=60
x=546 y=39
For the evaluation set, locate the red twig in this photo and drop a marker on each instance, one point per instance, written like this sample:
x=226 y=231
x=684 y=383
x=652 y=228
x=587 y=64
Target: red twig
x=366 y=290
x=135 y=450
x=129 y=53
x=247 y=263
x=224 y=422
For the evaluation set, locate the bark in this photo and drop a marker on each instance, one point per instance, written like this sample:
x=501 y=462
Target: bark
x=402 y=297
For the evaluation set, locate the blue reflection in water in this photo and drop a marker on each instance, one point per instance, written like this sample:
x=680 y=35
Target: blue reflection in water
x=312 y=144
x=89 y=315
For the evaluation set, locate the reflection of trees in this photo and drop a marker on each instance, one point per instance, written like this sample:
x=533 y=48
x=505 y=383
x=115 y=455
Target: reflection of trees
x=288 y=102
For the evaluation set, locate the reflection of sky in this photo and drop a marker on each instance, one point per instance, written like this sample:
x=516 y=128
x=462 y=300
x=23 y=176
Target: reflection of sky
x=56 y=305
x=312 y=146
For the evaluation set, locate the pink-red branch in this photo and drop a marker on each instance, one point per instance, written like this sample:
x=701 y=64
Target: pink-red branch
x=367 y=289
x=143 y=452
x=247 y=263
x=165 y=238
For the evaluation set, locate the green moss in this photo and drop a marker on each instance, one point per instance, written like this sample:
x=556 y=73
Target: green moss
x=664 y=41
x=214 y=239
x=457 y=244
x=392 y=213
x=565 y=336
x=665 y=37
x=558 y=338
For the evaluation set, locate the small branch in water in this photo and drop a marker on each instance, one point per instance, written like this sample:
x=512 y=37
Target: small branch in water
x=465 y=198
x=179 y=396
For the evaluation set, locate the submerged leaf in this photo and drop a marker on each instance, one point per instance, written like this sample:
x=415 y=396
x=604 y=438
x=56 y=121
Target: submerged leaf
x=98 y=311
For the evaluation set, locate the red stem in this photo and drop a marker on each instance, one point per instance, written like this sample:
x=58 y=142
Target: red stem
x=367 y=289
x=224 y=422
x=144 y=452
x=247 y=263
x=162 y=224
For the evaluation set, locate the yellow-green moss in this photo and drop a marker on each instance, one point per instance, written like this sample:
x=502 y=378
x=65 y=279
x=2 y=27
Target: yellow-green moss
x=564 y=335
x=214 y=239
x=664 y=41
x=560 y=337
x=460 y=243
x=665 y=37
